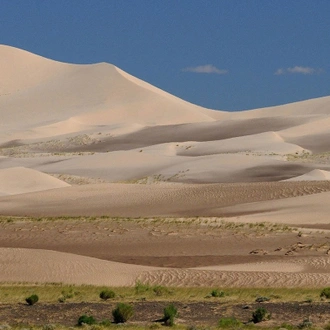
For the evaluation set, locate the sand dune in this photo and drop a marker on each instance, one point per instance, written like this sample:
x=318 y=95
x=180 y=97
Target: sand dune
x=20 y=180
x=312 y=175
x=58 y=267
x=301 y=210
x=52 y=93
x=314 y=107
x=131 y=149
x=135 y=200
x=130 y=130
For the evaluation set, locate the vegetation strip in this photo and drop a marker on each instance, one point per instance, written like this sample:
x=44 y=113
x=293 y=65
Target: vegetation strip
x=141 y=306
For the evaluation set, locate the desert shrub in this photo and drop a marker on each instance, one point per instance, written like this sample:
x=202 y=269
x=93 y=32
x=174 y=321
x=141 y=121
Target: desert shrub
x=229 y=322
x=170 y=313
x=84 y=319
x=67 y=294
x=287 y=326
x=259 y=315
x=325 y=293
x=262 y=299
x=141 y=288
x=122 y=313
x=305 y=324
x=217 y=293
x=327 y=327
x=49 y=327
x=160 y=290
x=107 y=294
x=105 y=323
x=61 y=299
x=32 y=299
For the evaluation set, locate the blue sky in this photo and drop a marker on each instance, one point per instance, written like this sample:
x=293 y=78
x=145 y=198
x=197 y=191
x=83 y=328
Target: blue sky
x=221 y=54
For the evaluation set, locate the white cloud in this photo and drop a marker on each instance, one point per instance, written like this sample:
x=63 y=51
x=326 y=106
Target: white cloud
x=301 y=69
x=208 y=68
x=279 y=72
x=297 y=69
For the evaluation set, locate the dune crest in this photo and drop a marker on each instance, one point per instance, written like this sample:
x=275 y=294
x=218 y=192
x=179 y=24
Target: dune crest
x=317 y=175
x=20 y=180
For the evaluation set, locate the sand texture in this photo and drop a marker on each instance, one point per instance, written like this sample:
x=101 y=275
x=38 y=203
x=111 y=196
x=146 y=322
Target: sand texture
x=92 y=140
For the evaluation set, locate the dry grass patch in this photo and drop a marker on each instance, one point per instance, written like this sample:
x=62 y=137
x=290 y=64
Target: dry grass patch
x=50 y=293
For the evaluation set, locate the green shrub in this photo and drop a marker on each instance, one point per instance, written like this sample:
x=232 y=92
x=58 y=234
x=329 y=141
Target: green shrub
x=61 y=299
x=84 y=319
x=262 y=299
x=67 y=294
x=106 y=323
x=327 y=327
x=141 y=288
x=122 y=313
x=325 y=293
x=259 y=315
x=160 y=290
x=170 y=313
x=107 y=294
x=32 y=299
x=229 y=322
x=217 y=293
x=305 y=324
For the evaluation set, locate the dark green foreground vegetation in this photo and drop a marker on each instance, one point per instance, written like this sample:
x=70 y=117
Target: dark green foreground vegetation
x=159 y=306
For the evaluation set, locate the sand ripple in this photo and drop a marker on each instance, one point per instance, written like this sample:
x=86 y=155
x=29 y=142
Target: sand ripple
x=189 y=277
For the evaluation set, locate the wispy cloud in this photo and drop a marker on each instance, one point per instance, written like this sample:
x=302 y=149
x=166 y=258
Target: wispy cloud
x=297 y=69
x=208 y=68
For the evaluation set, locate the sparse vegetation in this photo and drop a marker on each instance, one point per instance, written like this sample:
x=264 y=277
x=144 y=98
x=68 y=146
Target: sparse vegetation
x=170 y=313
x=107 y=294
x=84 y=319
x=33 y=299
x=160 y=290
x=217 y=293
x=234 y=300
x=50 y=293
x=325 y=293
x=305 y=324
x=141 y=287
x=262 y=299
x=67 y=294
x=122 y=313
x=229 y=322
x=260 y=314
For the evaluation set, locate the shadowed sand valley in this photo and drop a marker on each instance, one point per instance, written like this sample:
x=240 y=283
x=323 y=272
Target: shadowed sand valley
x=106 y=180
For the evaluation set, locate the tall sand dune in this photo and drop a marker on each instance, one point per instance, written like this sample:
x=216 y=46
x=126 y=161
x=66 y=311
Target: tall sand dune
x=36 y=92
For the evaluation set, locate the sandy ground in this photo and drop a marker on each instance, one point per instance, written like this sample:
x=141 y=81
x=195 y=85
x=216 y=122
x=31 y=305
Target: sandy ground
x=92 y=140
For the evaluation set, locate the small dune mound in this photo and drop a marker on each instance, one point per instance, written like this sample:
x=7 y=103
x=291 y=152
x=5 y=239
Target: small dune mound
x=20 y=180
x=315 y=175
x=45 y=266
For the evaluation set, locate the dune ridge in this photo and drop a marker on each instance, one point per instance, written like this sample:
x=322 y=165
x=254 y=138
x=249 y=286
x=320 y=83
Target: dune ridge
x=92 y=140
x=20 y=180
x=62 y=267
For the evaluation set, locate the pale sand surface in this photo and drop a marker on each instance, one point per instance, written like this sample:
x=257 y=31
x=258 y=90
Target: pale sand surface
x=188 y=252
x=173 y=199
x=19 y=180
x=130 y=149
x=312 y=175
x=55 y=267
